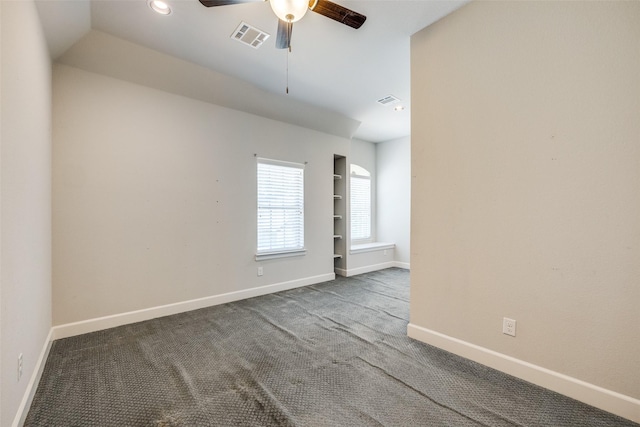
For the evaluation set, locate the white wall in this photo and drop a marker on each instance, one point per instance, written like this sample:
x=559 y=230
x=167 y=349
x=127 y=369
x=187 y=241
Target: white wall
x=25 y=226
x=363 y=153
x=104 y=54
x=526 y=189
x=155 y=197
x=393 y=168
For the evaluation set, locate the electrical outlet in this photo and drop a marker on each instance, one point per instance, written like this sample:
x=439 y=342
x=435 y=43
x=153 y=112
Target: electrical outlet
x=19 y=366
x=508 y=326
x=260 y=271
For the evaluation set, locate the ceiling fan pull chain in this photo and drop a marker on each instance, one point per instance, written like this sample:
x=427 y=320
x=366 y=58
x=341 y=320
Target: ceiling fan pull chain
x=289 y=31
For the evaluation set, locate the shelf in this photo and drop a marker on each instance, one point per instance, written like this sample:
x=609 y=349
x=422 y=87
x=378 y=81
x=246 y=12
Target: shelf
x=340 y=192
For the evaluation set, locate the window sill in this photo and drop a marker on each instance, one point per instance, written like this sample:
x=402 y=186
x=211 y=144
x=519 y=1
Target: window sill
x=280 y=254
x=370 y=247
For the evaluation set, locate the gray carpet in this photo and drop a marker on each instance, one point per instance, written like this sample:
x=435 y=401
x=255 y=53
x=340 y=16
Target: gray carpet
x=333 y=354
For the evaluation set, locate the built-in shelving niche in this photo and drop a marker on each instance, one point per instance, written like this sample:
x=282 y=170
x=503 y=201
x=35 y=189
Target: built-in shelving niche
x=339 y=213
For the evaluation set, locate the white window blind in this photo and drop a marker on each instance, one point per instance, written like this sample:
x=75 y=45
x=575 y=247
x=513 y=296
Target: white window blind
x=280 y=207
x=360 y=207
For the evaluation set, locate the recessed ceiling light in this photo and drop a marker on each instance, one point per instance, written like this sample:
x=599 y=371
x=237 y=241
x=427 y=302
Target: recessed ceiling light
x=160 y=6
x=398 y=108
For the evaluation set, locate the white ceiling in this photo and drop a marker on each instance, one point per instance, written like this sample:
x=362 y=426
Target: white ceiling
x=332 y=66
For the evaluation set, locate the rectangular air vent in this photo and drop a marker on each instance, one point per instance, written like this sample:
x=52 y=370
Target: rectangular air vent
x=249 y=35
x=388 y=100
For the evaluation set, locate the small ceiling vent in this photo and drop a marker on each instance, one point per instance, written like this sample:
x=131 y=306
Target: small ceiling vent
x=388 y=100
x=249 y=35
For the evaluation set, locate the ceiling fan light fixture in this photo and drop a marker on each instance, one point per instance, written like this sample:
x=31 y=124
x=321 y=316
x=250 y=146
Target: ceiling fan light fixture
x=289 y=10
x=160 y=7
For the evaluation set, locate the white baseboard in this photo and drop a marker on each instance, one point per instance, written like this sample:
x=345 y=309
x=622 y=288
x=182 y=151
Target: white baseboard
x=404 y=265
x=30 y=392
x=368 y=268
x=607 y=400
x=106 y=322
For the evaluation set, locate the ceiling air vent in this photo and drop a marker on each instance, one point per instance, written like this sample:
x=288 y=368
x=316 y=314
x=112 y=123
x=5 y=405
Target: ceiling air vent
x=388 y=100
x=249 y=35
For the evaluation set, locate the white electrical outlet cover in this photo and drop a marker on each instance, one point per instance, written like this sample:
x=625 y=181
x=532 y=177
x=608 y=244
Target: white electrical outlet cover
x=509 y=326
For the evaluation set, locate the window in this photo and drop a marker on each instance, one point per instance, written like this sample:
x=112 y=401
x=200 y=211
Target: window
x=360 y=203
x=280 y=208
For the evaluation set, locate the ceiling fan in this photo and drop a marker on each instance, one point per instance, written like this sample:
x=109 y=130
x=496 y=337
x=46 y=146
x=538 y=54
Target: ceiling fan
x=290 y=11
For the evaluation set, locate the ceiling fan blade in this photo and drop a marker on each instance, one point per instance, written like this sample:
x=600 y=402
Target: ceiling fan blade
x=283 y=38
x=211 y=3
x=337 y=13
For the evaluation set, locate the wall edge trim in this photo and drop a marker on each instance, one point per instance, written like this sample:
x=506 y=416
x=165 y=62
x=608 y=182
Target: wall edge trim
x=591 y=394
x=30 y=392
x=112 y=321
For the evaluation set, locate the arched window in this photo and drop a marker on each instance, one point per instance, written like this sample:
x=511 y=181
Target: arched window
x=360 y=203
